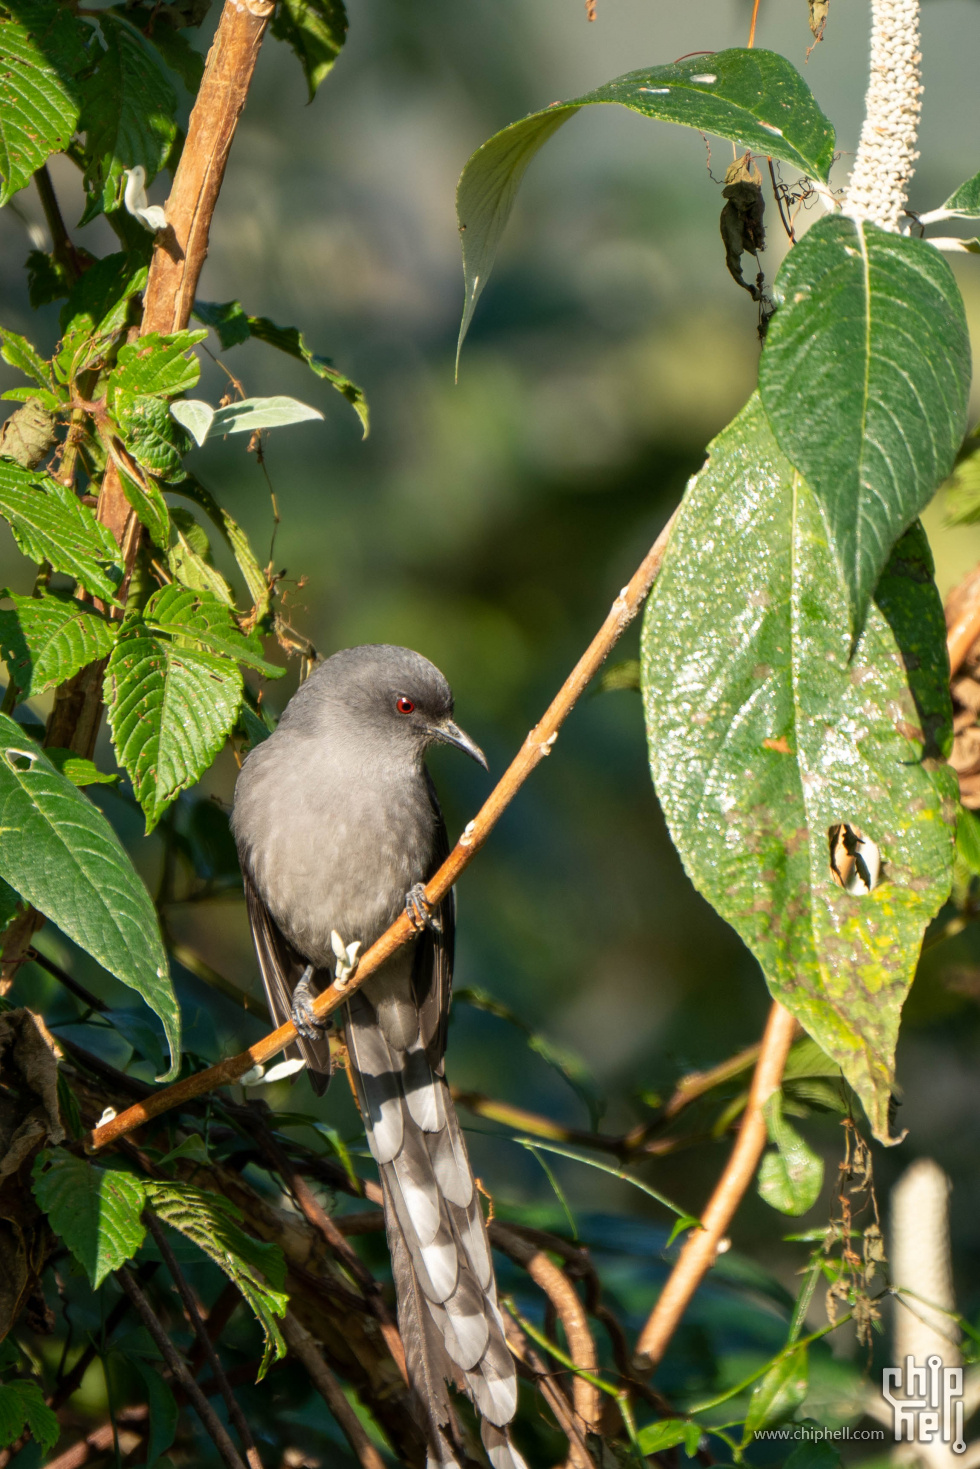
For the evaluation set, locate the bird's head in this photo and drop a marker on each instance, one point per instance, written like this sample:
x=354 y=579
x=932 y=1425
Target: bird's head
x=379 y=691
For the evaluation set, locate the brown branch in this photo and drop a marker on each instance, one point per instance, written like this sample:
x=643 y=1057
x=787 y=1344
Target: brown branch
x=62 y=246
x=200 y=1331
x=100 y=1440
x=755 y=16
x=212 y=1423
x=699 y=1253
x=302 y=1345
x=571 y=1313
x=963 y=619
x=544 y=1381
x=537 y=745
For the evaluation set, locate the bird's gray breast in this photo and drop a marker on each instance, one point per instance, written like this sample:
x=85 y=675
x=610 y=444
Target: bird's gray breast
x=333 y=837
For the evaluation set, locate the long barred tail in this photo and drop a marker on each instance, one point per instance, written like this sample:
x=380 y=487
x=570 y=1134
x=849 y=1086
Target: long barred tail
x=448 y=1315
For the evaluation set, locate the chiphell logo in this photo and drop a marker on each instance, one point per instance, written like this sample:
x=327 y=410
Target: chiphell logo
x=926 y=1402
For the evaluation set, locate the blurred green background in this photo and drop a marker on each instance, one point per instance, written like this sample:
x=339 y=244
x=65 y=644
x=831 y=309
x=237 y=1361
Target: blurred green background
x=489 y=525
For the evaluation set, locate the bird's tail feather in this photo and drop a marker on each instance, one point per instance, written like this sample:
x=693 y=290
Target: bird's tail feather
x=447 y=1298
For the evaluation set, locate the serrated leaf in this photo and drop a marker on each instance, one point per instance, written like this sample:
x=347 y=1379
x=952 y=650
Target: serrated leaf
x=95 y=1211
x=755 y=98
x=779 y=1393
x=50 y=523
x=18 y=351
x=46 y=640
x=236 y=540
x=257 y=1269
x=151 y=508
x=234 y=326
x=255 y=413
x=208 y=622
x=41 y=54
x=192 y=570
x=99 y=303
x=765 y=732
x=22 y=1406
x=77 y=769
x=865 y=377
x=968 y=839
x=965 y=201
x=790 y=1179
x=316 y=30
x=151 y=435
x=177 y=53
x=59 y=852
x=158 y=364
x=128 y=111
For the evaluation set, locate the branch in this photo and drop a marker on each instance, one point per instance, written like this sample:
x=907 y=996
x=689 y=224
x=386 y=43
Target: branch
x=701 y=1248
x=571 y=1313
x=213 y=1425
x=302 y=1345
x=200 y=1331
x=963 y=619
x=537 y=745
x=536 y=1370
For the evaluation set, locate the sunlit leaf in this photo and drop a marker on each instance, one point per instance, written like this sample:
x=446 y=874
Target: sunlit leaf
x=128 y=111
x=791 y=1177
x=46 y=640
x=316 y=30
x=41 y=55
x=95 y=1211
x=779 y=1393
x=50 y=523
x=765 y=733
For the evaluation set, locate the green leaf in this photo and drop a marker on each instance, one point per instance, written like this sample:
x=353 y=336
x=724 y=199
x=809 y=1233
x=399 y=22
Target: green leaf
x=968 y=839
x=865 y=377
x=240 y=418
x=162 y=1404
x=235 y=538
x=173 y=690
x=790 y=1179
x=128 y=112
x=258 y=1270
x=60 y=854
x=177 y=52
x=965 y=201
x=19 y=353
x=655 y=1438
x=765 y=734
x=41 y=54
x=150 y=507
x=22 y=1406
x=316 y=30
x=158 y=364
x=752 y=97
x=151 y=435
x=779 y=1393
x=50 y=523
x=195 y=571
x=77 y=769
x=96 y=1212
x=234 y=326
x=99 y=303
x=46 y=640
x=813 y=1453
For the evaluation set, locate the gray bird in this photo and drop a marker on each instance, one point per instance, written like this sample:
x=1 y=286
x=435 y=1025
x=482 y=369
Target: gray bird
x=338 y=827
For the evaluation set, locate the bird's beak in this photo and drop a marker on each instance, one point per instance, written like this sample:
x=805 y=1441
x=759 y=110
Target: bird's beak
x=449 y=733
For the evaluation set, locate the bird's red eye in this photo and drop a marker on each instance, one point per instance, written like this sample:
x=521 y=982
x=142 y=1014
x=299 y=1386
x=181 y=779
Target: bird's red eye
x=404 y=706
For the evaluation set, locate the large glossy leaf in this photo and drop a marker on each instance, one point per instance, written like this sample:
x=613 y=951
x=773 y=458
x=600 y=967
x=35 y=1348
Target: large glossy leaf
x=865 y=378
x=51 y=524
x=95 y=1211
x=128 y=111
x=45 y=640
x=173 y=690
x=60 y=853
x=316 y=30
x=41 y=54
x=752 y=97
x=765 y=734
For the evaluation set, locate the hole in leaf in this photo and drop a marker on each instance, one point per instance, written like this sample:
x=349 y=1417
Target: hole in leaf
x=19 y=759
x=855 y=860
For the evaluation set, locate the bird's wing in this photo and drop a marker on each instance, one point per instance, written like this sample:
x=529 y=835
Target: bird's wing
x=432 y=970
x=282 y=968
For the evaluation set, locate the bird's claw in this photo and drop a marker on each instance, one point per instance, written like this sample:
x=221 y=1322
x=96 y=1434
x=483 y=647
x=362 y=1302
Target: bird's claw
x=303 y=1015
x=419 y=911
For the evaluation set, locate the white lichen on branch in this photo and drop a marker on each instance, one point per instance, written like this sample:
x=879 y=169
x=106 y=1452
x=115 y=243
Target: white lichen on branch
x=886 y=153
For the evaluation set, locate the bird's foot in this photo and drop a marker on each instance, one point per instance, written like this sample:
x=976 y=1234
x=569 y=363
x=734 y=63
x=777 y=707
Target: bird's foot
x=303 y=1015
x=346 y=957
x=420 y=914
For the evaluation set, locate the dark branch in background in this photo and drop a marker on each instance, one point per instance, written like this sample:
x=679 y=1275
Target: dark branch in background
x=302 y=1345
x=200 y=1331
x=63 y=250
x=213 y=1426
x=537 y=745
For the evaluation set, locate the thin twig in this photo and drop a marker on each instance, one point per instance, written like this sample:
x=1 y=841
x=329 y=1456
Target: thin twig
x=302 y=1345
x=701 y=1248
x=200 y=1331
x=755 y=16
x=537 y=745
x=212 y=1423
x=544 y=1381
x=560 y=1291
x=62 y=247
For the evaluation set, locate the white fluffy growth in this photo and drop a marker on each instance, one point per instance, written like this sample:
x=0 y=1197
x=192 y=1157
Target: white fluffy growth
x=887 y=152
